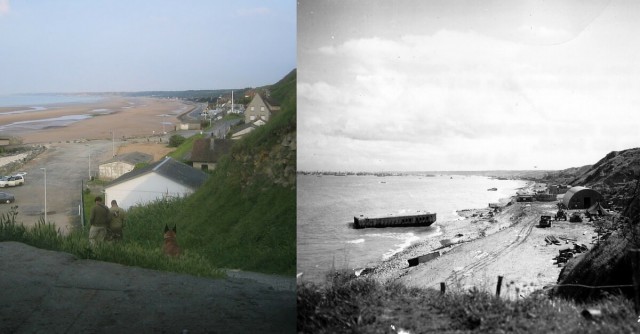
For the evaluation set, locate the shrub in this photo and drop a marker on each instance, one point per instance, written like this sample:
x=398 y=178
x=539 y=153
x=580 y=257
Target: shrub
x=176 y=140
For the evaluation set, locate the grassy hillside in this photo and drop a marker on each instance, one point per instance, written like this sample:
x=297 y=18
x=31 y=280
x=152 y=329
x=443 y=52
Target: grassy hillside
x=244 y=216
x=250 y=204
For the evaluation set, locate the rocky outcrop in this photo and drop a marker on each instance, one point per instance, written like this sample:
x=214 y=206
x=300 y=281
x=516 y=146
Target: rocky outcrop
x=274 y=165
x=606 y=265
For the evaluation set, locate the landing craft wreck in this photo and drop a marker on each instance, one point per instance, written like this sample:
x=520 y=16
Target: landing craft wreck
x=418 y=219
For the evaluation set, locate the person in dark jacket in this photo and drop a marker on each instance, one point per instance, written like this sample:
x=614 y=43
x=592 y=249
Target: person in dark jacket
x=100 y=219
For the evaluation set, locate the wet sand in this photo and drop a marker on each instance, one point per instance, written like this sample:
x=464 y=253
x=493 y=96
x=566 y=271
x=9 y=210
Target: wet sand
x=126 y=117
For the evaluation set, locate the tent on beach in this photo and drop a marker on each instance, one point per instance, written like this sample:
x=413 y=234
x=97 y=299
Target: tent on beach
x=597 y=209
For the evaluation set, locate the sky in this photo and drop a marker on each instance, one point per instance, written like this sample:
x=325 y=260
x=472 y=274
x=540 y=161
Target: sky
x=466 y=85
x=140 y=45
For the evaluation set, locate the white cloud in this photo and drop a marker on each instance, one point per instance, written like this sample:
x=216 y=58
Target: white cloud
x=453 y=98
x=540 y=34
x=320 y=91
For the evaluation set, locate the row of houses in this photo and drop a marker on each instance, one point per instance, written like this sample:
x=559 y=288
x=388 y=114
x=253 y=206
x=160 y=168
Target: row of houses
x=257 y=113
x=169 y=178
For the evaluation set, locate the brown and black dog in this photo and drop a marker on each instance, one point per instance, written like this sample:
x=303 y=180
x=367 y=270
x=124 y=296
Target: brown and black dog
x=170 y=247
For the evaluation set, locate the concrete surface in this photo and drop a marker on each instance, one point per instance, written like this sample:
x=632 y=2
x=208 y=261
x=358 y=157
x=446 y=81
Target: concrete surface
x=44 y=291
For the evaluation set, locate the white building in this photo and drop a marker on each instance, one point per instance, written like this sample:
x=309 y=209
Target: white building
x=166 y=178
x=122 y=164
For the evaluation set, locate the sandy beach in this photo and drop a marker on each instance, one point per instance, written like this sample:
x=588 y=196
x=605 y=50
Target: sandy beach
x=508 y=244
x=127 y=117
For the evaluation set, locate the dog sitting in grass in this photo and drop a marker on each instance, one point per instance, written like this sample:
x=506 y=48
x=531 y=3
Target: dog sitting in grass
x=170 y=246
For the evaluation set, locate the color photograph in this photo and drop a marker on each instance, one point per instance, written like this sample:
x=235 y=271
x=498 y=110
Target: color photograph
x=147 y=166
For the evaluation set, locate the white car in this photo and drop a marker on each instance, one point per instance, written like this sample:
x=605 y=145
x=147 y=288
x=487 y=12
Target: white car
x=12 y=181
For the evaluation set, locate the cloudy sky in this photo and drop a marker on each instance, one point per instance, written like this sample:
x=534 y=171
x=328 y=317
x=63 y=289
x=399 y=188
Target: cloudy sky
x=466 y=85
x=136 y=45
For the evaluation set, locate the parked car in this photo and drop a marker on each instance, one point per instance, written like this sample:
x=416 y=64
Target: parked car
x=6 y=198
x=12 y=181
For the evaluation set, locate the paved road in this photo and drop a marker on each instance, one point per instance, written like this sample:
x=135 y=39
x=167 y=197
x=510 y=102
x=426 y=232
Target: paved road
x=52 y=292
x=67 y=165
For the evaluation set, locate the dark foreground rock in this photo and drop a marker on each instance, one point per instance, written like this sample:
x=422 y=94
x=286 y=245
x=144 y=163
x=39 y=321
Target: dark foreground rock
x=53 y=292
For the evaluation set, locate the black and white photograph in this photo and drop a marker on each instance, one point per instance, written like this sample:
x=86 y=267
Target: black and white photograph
x=468 y=166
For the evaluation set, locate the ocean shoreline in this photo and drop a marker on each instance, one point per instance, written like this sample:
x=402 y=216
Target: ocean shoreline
x=471 y=223
x=514 y=248
x=383 y=272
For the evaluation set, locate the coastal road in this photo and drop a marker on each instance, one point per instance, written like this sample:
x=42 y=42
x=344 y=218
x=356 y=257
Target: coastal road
x=67 y=165
x=195 y=114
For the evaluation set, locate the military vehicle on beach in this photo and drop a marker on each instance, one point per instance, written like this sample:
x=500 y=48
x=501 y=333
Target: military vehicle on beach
x=561 y=215
x=545 y=221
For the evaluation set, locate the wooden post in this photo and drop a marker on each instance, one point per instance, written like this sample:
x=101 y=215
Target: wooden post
x=635 y=267
x=442 y=288
x=499 y=286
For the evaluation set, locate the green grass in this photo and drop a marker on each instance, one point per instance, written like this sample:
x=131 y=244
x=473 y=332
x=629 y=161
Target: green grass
x=184 y=148
x=363 y=306
x=141 y=247
x=229 y=117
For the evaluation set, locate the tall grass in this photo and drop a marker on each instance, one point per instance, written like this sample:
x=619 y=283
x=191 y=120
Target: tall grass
x=364 y=306
x=131 y=251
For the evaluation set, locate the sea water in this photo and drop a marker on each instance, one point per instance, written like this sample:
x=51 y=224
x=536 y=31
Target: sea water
x=33 y=103
x=327 y=204
x=37 y=101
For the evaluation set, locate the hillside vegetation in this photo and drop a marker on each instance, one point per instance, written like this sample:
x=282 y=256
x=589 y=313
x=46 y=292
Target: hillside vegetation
x=244 y=216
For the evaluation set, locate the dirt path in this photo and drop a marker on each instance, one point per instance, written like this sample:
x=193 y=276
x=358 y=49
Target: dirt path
x=43 y=291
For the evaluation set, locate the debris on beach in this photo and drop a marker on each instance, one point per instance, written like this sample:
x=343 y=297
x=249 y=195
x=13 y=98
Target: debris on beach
x=551 y=240
x=566 y=239
x=422 y=259
x=567 y=253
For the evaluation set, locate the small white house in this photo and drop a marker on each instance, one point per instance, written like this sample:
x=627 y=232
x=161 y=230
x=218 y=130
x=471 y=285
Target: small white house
x=122 y=164
x=246 y=129
x=166 y=178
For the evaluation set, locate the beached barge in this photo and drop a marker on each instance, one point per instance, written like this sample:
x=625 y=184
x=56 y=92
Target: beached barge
x=418 y=219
